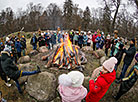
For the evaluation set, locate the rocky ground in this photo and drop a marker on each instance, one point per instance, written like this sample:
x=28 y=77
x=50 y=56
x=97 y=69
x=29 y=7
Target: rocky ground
x=43 y=86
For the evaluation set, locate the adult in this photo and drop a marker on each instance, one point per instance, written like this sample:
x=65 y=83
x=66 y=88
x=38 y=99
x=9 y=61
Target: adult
x=107 y=44
x=18 y=47
x=89 y=38
x=11 y=70
x=34 y=41
x=85 y=39
x=130 y=53
x=75 y=38
x=80 y=40
x=94 y=40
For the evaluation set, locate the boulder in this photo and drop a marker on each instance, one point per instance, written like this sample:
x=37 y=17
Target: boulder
x=86 y=81
x=42 y=86
x=102 y=59
x=87 y=49
x=33 y=53
x=43 y=49
x=99 y=53
x=24 y=59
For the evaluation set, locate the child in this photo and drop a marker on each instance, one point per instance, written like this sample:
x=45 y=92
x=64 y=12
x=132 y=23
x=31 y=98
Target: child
x=103 y=82
x=70 y=87
x=1 y=98
x=128 y=82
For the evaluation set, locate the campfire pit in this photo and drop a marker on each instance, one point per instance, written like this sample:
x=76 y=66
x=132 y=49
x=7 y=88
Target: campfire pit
x=66 y=56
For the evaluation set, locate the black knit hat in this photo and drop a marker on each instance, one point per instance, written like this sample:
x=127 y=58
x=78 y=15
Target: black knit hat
x=133 y=40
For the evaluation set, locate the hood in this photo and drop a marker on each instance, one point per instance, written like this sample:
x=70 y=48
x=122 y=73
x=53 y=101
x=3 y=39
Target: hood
x=4 y=55
x=109 y=77
x=72 y=93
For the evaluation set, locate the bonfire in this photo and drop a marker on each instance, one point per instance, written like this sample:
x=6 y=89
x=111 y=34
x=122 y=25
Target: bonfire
x=66 y=56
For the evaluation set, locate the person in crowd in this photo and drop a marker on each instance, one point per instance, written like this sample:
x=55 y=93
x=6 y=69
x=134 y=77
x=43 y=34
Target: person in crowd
x=89 y=38
x=130 y=53
x=34 y=41
x=3 y=76
x=107 y=44
x=101 y=43
x=98 y=43
x=80 y=40
x=119 y=55
x=128 y=82
x=8 y=43
x=126 y=41
x=71 y=36
x=117 y=46
x=94 y=37
x=85 y=39
x=41 y=40
x=23 y=44
x=53 y=38
x=47 y=38
x=75 y=38
x=18 y=47
x=11 y=70
x=99 y=86
x=1 y=46
x=1 y=98
x=113 y=43
x=70 y=87
x=60 y=35
x=13 y=53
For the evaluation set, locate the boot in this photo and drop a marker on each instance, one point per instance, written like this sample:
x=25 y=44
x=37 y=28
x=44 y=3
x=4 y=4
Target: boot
x=38 y=69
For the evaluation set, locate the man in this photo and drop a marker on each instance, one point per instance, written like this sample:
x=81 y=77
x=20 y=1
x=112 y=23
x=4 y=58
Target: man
x=34 y=41
x=18 y=47
x=11 y=70
x=94 y=40
x=130 y=53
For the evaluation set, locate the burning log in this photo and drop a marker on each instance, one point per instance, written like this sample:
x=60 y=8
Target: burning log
x=66 y=56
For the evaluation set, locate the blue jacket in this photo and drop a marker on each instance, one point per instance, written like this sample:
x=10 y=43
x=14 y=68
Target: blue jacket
x=59 y=37
x=80 y=39
x=53 y=38
x=98 y=42
x=18 y=46
x=85 y=39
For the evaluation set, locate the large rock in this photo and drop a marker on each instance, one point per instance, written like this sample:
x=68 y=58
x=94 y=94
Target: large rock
x=99 y=53
x=33 y=53
x=43 y=49
x=102 y=59
x=87 y=49
x=24 y=59
x=42 y=86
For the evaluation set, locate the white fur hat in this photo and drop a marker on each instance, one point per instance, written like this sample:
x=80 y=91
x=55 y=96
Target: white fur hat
x=73 y=78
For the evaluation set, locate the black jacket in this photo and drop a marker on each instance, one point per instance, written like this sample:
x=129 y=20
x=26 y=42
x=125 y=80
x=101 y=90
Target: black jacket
x=129 y=81
x=9 y=68
x=33 y=42
x=130 y=53
x=119 y=56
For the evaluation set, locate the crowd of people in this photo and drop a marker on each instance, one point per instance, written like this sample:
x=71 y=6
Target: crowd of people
x=70 y=85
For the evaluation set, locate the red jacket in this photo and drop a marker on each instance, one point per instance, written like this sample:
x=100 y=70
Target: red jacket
x=94 y=38
x=100 y=87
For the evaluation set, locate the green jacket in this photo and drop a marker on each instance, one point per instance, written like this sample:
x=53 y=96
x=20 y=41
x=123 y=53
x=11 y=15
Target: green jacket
x=9 y=68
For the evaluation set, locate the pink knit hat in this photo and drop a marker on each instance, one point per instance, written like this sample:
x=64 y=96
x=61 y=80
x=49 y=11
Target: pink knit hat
x=110 y=64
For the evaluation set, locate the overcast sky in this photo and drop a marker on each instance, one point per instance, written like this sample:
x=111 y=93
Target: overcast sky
x=15 y=4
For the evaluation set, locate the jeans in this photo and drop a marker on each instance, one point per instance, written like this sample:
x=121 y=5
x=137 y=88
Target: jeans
x=124 y=69
x=24 y=74
x=34 y=47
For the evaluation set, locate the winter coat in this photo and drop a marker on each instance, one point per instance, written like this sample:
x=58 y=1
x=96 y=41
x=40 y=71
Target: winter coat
x=98 y=39
x=72 y=94
x=41 y=41
x=80 y=39
x=94 y=37
x=130 y=53
x=119 y=56
x=33 y=40
x=76 y=37
x=85 y=39
x=89 y=38
x=18 y=46
x=53 y=38
x=117 y=48
x=59 y=37
x=23 y=44
x=128 y=82
x=100 y=87
x=9 y=68
x=8 y=46
x=107 y=43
